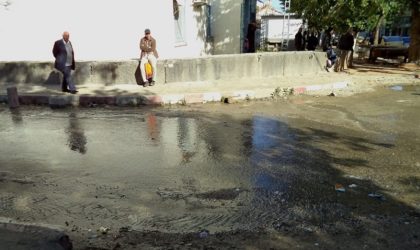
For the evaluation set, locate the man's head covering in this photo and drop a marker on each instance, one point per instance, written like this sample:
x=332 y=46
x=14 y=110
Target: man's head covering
x=147 y=31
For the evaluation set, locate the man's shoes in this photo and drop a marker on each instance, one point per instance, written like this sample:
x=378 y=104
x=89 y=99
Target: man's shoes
x=151 y=83
x=66 y=90
x=73 y=91
x=145 y=84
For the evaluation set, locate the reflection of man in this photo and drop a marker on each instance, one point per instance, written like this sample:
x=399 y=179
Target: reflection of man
x=64 y=62
x=153 y=127
x=16 y=116
x=148 y=54
x=77 y=139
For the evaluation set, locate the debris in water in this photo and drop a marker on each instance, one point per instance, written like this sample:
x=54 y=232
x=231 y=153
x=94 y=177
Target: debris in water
x=204 y=234
x=91 y=235
x=377 y=196
x=352 y=186
x=103 y=230
x=332 y=94
x=125 y=229
x=397 y=88
x=339 y=188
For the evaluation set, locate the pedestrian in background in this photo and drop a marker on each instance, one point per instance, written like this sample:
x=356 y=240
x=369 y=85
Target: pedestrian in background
x=326 y=40
x=299 y=40
x=305 y=38
x=312 y=42
x=345 y=45
x=64 y=62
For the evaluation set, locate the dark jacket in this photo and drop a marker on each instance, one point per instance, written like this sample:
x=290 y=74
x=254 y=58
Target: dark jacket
x=299 y=45
x=312 y=42
x=60 y=53
x=326 y=41
x=346 y=42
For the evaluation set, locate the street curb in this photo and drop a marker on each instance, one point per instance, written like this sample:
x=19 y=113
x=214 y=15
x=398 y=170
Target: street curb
x=59 y=101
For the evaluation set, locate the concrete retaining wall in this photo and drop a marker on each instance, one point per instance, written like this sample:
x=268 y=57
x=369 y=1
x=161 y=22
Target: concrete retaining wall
x=224 y=67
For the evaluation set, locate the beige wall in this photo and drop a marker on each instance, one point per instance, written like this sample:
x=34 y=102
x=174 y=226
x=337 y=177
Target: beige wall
x=99 y=29
x=226 y=26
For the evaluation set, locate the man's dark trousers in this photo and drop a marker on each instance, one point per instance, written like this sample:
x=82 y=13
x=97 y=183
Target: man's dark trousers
x=67 y=80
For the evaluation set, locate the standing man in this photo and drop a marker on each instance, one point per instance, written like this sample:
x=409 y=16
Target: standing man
x=312 y=42
x=327 y=39
x=64 y=62
x=299 y=43
x=148 y=54
x=345 y=45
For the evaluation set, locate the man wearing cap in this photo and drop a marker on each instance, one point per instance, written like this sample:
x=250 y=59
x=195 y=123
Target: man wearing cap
x=148 y=54
x=64 y=62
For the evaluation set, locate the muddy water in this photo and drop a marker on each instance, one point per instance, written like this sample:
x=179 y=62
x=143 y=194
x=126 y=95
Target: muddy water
x=252 y=166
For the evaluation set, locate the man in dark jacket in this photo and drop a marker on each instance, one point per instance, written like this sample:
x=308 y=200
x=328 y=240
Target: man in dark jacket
x=299 y=43
x=312 y=42
x=64 y=62
x=345 y=45
x=327 y=39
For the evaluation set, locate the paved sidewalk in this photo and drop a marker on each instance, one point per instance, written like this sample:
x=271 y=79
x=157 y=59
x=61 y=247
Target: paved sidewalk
x=202 y=92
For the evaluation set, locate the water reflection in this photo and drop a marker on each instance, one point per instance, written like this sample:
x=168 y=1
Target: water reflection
x=153 y=127
x=272 y=148
x=187 y=136
x=76 y=136
x=16 y=116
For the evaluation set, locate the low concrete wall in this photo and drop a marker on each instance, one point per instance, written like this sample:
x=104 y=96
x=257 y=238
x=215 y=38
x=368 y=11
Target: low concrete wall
x=223 y=67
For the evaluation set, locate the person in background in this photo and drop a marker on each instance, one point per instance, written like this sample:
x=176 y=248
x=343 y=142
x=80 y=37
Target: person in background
x=299 y=41
x=312 y=42
x=148 y=54
x=327 y=39
x=64 y=62
x=305 y=38
x=345 y=45
x=331 y=59
x=250 y=36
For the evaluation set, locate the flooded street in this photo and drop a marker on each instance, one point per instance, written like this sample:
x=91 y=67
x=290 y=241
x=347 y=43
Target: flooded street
x=306 y=172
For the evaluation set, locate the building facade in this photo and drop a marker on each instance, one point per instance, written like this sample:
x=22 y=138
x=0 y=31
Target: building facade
x=111 y=30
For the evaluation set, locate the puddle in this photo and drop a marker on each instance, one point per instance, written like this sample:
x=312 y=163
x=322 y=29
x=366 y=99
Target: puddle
x=410 y=88
x=156 y=170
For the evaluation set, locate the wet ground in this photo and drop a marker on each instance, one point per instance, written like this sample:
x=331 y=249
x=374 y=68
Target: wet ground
x=306 y=172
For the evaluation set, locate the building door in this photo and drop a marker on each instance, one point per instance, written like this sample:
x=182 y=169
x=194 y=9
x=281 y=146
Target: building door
x=248 y=14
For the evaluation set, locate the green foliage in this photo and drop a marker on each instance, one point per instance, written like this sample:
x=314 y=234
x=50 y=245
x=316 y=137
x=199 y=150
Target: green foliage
x=340 y=14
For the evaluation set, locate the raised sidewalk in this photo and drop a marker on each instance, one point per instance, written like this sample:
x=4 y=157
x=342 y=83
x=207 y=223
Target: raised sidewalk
x=184 y=81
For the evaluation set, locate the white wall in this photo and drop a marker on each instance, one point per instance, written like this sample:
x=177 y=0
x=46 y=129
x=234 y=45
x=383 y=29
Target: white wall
x=99 y=29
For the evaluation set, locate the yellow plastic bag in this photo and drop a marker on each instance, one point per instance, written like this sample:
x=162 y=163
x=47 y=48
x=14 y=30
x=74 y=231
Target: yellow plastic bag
x=149 y=70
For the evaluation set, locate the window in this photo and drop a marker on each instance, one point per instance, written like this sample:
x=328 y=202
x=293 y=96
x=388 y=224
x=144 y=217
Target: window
x=179 y=20
x=209 y=36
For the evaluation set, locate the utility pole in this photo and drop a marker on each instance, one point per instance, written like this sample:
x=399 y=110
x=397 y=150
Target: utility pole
x=285 y=42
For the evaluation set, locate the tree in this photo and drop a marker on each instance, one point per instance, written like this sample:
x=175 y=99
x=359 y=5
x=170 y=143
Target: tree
x=414 y=50
x=361 y=14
